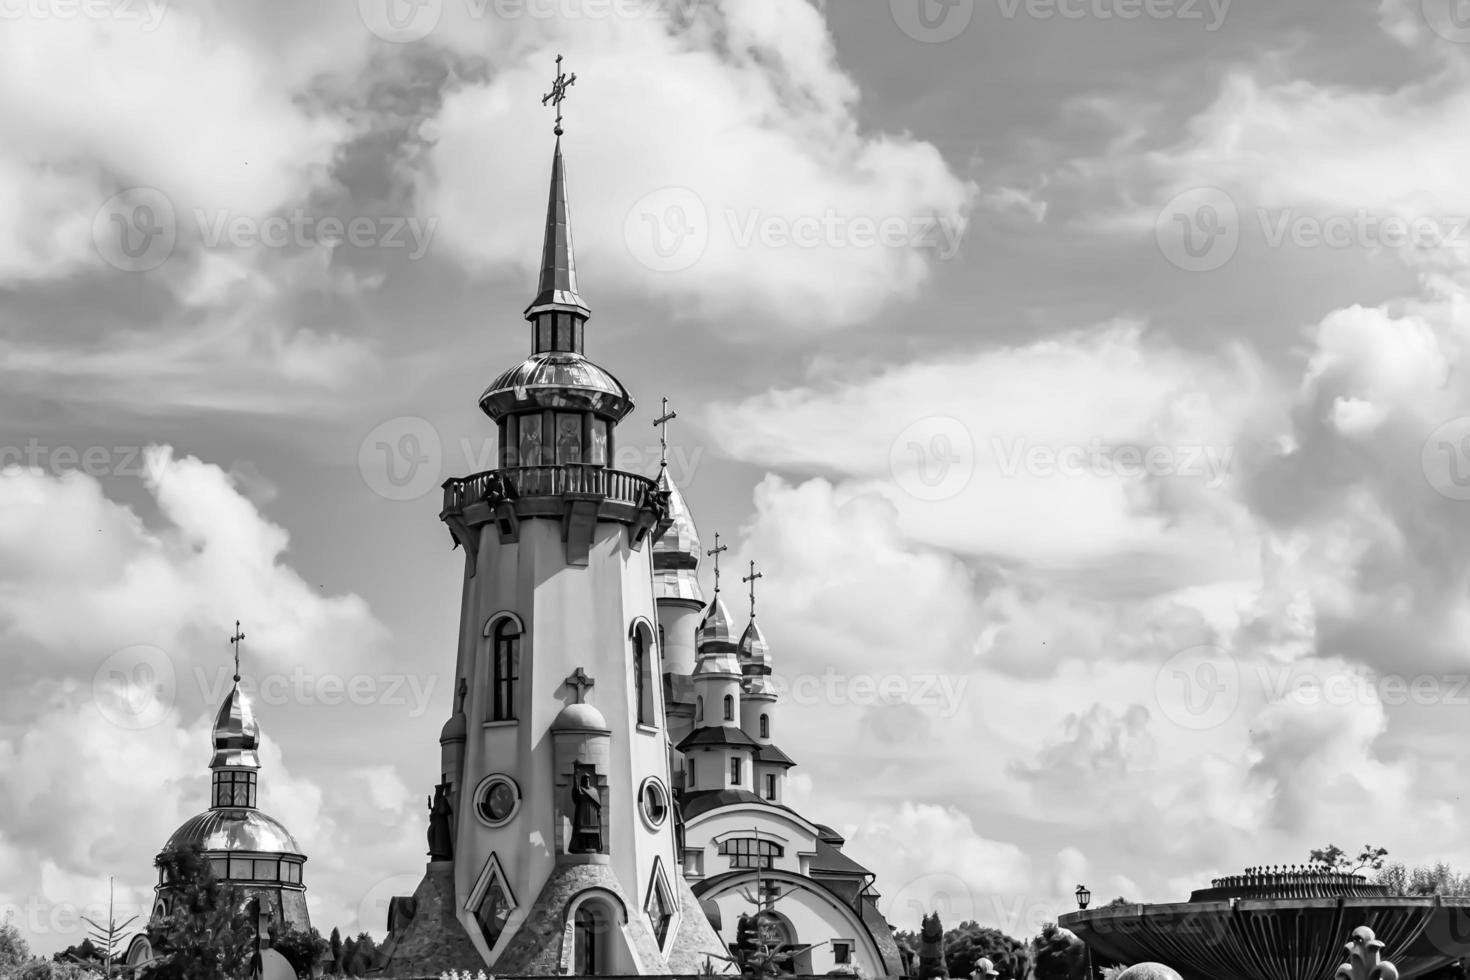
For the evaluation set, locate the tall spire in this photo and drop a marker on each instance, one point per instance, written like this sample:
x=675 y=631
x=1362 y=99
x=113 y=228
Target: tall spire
x=557 y=289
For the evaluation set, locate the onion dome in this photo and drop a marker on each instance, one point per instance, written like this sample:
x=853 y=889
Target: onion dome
x=236 y=733
x=580 y=718
x=714 y=629
x=234 y=830
x=681 y=540
x=676 y=552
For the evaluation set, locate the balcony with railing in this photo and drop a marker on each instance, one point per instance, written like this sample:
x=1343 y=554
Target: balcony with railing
x=513 y=482
x=579 y=494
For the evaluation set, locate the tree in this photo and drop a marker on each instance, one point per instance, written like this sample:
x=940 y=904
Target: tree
x=359 y=955
x=206 y=933
x=1120 y=900
x=1337 y=859
x=1057 y=954
x=303 y=949
x=335 y=942
x=1435 y=879
x=83 y=953
x=105 y=939
x=967 y=943
x=15 y=952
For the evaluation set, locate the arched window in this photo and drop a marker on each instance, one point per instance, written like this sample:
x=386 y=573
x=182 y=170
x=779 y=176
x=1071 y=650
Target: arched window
x=765 y=726
x=729 y=707
x=642 y=675
x=592 y=925
x=699 y=708
x=505 y=668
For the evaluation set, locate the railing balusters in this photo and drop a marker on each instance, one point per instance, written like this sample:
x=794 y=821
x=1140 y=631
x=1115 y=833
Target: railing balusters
x=541 y=481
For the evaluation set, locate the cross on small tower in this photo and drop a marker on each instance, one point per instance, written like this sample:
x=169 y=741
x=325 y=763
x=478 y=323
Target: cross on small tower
x=558 y=92
x=751 y=579
x=662 y=424
x=716 y=552
x=235 y=640
x=579 y=681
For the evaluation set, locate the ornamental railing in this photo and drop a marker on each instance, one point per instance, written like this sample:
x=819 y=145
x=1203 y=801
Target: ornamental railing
x=547 y=481
x=1296 y=881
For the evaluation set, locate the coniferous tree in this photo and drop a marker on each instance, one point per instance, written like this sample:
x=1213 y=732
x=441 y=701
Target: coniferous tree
x=206 y=934
x=335 y=942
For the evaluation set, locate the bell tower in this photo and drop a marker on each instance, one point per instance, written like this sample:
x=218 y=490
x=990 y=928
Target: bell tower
x=560 y=823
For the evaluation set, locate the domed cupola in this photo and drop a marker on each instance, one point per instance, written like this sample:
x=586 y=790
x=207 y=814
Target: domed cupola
x=676 y=552
x=556 y=407
x=755 y=660
x=244 y=845
x=714 y=635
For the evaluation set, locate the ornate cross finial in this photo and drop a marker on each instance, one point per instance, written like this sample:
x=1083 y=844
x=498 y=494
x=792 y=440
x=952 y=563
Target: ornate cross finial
x=716 y=550
x=1365 y=959
x=662 y=424
x=558 y=92
x=235 y=640
x=579 y=681
x=751 y=579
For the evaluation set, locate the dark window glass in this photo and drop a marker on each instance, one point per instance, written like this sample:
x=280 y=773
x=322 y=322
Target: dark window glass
x=765 y=726
x=506 y=656
x=729 y=707
x=747 y=852
x=735 y=772
x=770 y=786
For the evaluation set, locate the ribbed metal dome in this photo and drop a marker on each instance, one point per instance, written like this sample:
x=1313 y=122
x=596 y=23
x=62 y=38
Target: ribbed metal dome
x=755 y=652
x=714 y=629
x=681 y=540
x=557 y=379
x=234 y=829
x=236 y=733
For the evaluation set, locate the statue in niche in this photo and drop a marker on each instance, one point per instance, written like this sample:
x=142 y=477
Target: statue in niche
x=441 y=839
x=586 y=813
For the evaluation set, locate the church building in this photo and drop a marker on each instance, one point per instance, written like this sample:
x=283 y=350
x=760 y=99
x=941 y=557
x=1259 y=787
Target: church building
x=610 y=787
x=244 y=845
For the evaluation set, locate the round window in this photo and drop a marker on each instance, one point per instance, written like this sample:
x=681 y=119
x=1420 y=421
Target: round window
x=497 y=800
x=653 y=801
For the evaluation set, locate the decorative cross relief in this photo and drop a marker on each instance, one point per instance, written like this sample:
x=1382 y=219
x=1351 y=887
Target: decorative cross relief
x=579 y=682
x=1365 y=959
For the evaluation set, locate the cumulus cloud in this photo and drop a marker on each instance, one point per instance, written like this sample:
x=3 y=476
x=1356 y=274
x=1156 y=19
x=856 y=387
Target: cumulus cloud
x=761 y=196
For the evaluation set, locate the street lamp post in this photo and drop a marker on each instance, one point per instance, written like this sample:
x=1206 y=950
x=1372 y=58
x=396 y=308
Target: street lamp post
x=1084 y=898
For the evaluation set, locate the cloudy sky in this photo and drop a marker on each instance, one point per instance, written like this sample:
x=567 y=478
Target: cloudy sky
x=1088 y=378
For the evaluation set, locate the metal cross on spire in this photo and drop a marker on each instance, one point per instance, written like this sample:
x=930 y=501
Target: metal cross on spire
x=751 y=579
x=235 y=641
x=662 y=424
x=716 y=552
x=558 y=92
